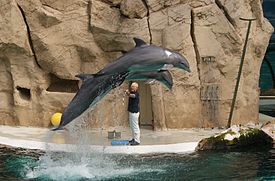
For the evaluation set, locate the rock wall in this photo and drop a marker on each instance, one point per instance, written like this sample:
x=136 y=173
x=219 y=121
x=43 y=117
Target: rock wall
x=44 y=43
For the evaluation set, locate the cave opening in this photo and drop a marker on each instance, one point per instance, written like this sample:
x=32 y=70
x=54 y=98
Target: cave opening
x=24 y=93
x=62 y=85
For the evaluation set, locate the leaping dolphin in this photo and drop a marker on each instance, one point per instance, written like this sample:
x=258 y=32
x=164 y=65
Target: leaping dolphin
x=163 y=76
x=95 y=88
x=145 y=57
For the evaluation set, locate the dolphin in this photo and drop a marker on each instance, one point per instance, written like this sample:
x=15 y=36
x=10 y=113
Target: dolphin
x=145 y=57
x=94 y=89
x=90 y=92
x=163 y=76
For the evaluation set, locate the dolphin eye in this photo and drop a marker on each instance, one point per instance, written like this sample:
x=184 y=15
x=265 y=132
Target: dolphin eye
x=167 y=53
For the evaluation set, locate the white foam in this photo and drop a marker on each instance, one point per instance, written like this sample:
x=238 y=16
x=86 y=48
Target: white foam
x=63 y=172
x=68 y=167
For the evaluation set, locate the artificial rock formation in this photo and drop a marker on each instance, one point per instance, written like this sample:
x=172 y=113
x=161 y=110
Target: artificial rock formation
x=240 y=137
x=44 y=43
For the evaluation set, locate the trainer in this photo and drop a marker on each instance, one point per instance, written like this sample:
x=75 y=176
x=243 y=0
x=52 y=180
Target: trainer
x=133 y=108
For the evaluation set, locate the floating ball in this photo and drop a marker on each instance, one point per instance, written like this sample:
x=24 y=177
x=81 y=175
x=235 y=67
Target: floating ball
x=56 y=118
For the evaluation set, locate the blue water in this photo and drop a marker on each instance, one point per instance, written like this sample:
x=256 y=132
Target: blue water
x=236 y=165
x=265 y=81
x=269 y=12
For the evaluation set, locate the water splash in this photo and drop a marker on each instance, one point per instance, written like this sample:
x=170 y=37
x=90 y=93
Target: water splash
x=244 y=165
x=67 y=167
x=80 y=163
x=77 y=164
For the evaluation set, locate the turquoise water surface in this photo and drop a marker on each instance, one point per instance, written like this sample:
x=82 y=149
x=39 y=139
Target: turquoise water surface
x=236 y=165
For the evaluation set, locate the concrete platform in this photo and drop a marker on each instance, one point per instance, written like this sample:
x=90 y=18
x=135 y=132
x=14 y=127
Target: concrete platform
x=173 y=141
x=263 y=119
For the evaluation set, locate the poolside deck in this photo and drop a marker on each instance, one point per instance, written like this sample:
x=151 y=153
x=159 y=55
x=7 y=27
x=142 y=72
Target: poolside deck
x=171 y=141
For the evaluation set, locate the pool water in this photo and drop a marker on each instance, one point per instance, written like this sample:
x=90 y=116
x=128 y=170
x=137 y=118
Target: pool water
x=267 y=109
x=236 y=165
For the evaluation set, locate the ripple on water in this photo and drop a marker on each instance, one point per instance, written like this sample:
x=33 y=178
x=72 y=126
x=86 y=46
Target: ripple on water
x=237 y=165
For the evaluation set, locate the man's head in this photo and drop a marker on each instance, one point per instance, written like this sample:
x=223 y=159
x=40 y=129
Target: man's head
x=134 y=86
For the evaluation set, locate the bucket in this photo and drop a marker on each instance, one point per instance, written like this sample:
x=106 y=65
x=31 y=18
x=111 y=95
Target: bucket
x=114 y=134
x=117 y=134
x=111 y=134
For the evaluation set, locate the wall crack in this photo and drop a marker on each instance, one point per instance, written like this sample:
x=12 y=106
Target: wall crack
x=89 y=13
x=148 y=19
x=192 y=33
x=29 y=34
x=225 y=12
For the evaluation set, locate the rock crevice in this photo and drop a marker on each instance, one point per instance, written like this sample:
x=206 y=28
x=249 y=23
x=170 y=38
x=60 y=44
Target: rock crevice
x=225 y=12
x=192 y=34
x=89 y=9
x=148 y=20
x=29 y=35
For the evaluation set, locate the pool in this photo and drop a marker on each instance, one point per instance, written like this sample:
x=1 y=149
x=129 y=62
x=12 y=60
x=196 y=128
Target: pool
x=236 y=165
x=267 y=107
x=268 y=110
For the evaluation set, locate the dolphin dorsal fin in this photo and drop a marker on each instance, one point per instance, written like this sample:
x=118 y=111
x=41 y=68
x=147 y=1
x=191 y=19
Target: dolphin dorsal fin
x=123 y=52
x=139 y=42
x=84 y=76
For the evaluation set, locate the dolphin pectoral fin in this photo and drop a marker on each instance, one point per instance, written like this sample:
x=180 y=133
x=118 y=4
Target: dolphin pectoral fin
x=84 y=76
x=139 y=42
x=150 y=81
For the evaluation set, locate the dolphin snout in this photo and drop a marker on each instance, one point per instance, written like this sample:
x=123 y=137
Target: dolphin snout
x=185 y=66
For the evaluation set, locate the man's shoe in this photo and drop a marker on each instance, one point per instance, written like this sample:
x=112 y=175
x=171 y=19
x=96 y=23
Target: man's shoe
x=134 y=143
x=132 y=140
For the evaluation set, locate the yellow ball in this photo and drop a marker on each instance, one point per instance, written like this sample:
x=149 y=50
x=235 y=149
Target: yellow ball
x=56 y=118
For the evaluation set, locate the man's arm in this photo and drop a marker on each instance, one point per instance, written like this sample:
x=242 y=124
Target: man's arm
x=129 y=94
x=132 y=95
